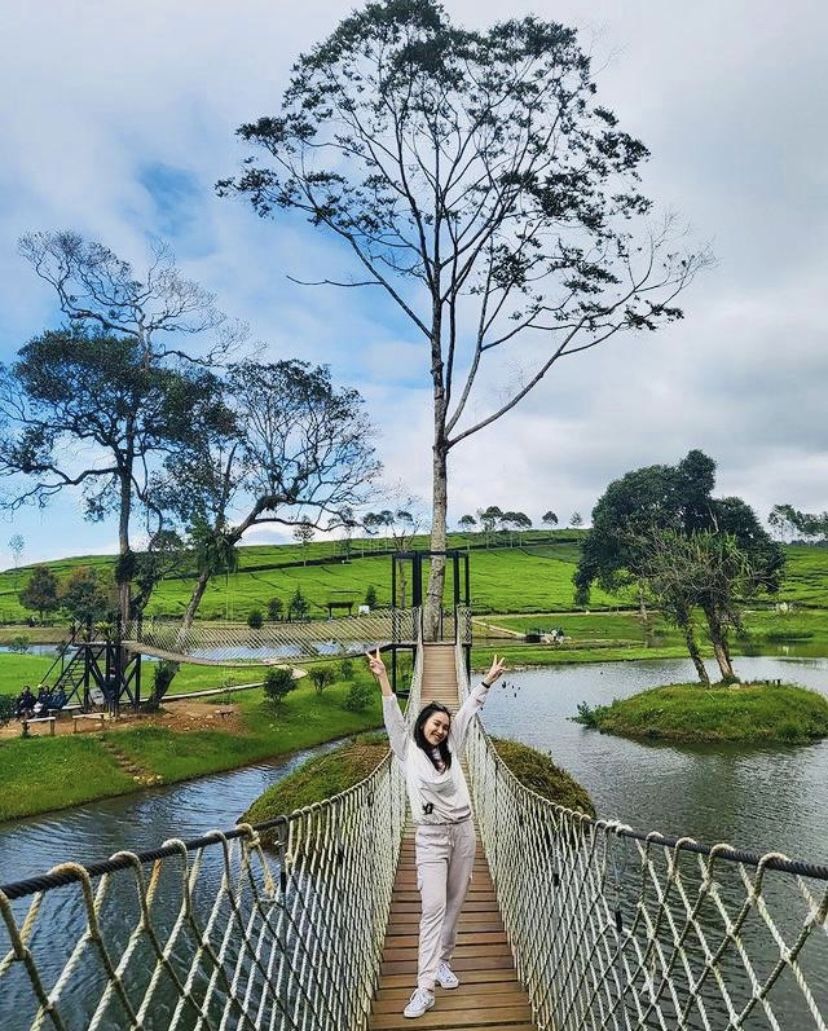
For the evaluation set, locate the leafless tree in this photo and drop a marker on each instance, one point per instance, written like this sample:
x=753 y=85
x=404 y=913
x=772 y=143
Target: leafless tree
x=476 y=182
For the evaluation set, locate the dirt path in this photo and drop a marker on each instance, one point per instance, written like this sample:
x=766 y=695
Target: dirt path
x=180 y=716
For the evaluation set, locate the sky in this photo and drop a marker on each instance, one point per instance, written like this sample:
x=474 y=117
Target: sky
x=118 y=118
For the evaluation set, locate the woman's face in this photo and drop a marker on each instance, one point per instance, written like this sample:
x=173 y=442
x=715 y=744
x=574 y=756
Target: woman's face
x=436 y=728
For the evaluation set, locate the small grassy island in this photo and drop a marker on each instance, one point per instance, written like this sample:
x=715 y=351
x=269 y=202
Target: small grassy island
x=327 y=775
x=759 y=714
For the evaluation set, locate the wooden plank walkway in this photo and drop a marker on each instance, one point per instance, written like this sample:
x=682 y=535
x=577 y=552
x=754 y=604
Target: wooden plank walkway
x=490 y=995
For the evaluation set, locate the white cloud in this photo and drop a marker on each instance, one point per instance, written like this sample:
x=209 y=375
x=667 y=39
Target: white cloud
x=729 y=98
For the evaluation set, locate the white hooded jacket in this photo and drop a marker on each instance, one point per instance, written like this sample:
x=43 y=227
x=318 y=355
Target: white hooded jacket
x=434 y=797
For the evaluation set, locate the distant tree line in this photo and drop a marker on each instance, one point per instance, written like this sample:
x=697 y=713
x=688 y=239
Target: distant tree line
x=493 y=520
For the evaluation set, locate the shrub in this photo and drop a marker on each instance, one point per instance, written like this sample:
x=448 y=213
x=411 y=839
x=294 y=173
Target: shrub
x=255 y=620
x=278 y=683
x=162 y=676
x=299 y=606
x=19 y=644
x=371 y=597
x=359 y=696
x=537 y=772
x=275 y=608
x=346 y=669
x=587 y=715
x=321 y=677
x=8 y=707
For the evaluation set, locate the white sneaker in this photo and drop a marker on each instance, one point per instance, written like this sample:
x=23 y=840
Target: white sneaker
x=446 y=977
x=421 y=1001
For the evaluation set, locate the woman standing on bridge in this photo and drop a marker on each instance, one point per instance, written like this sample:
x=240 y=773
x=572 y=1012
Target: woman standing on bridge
x=441 y=809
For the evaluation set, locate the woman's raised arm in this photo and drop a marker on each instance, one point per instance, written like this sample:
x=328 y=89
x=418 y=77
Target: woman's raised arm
x=391 y=714
x=475 y=701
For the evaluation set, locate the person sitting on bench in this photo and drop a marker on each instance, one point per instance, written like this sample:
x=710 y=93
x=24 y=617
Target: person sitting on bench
x=41 y=706
x=26 y=702
x=58 y=699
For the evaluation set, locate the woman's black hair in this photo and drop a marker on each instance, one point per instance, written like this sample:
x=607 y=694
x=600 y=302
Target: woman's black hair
x=420 y=738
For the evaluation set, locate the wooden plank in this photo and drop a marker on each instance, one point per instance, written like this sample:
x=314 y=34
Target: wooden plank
x=476 y=1017
x=502 y=993
x=470 y=977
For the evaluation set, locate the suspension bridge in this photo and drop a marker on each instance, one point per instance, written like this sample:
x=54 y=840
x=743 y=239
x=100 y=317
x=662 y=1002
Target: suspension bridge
x=572 y=923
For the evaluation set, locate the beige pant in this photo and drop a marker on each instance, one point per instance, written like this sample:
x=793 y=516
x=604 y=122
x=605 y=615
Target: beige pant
x=445 y=857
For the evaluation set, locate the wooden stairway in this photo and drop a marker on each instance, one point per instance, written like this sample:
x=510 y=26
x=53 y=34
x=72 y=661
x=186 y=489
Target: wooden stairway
x=489 y=995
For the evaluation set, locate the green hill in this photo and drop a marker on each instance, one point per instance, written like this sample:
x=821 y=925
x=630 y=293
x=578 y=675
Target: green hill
x=535 y=575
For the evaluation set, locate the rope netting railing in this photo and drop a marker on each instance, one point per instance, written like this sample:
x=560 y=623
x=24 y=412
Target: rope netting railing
x=277 y=926
x=221 y=642
x=614 y=929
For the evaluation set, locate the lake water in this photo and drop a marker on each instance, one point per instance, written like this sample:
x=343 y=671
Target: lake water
x=756 y=798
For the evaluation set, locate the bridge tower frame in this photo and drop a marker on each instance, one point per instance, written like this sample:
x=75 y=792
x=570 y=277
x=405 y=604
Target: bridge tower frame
x=461 y=597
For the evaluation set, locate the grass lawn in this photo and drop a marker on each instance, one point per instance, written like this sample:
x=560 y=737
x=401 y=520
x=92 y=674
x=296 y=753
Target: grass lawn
x=533 y=576
x=16 y=671
x=42 y=773
x=46 y=773
x=748 y=713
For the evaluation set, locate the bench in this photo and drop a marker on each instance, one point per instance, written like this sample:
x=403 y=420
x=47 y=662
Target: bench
x=101 y=716
x=39 y=719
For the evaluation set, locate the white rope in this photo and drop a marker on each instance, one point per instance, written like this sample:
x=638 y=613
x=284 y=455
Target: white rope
x=659 y=937
x=607 y=930
x=217 y=643
x=290 y=941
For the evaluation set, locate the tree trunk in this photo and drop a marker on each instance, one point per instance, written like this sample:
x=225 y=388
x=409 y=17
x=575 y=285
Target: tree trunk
x=719 y=641
x=437 y=573
x=192 y=607
x=695 y=655
x=124 y=573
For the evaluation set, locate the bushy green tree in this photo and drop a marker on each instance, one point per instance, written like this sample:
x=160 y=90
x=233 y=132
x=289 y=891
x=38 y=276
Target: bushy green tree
x=371 y=597
x=298 y=607
x=86 y=596
x=661 y=499
x=255 y=619
x=41 y=592
x=115 y=386
x=321 y=677
x=275 y=608
x=278 y=683
x=359 y=696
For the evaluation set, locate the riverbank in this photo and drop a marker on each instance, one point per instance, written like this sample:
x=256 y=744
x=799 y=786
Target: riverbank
x=750 y=714
x=40 y=774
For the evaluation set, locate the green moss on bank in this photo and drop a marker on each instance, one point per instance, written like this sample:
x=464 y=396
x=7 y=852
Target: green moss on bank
x=760 y=714
x=537 y=772
x=328 y=775
x=320 y=777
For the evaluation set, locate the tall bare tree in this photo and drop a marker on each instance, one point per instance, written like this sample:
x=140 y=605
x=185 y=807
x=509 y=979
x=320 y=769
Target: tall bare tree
x=475 y=181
